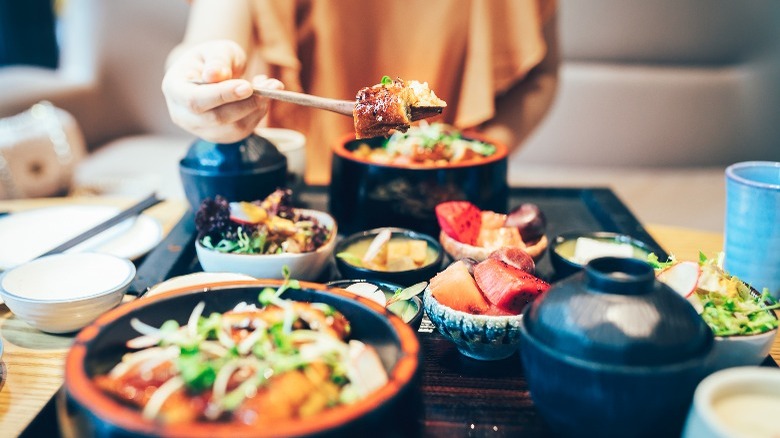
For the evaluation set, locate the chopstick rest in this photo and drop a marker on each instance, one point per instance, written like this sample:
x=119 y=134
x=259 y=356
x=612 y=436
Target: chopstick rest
x=132 y=211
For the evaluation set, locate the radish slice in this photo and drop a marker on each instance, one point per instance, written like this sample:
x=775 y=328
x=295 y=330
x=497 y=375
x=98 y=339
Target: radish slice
x=247 y=213
x=370 y=291
x=683 y=277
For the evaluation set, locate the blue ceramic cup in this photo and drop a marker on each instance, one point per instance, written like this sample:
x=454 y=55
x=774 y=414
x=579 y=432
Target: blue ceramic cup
x=752 y=241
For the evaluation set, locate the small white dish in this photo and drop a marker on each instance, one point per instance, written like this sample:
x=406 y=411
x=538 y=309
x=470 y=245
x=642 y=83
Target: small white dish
x=28 y=234
x=737 y=402
x=62 y=293
x=305 y=266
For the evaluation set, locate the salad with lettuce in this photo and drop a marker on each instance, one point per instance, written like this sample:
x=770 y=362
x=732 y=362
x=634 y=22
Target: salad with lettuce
x=726 y=303
x=268 y=226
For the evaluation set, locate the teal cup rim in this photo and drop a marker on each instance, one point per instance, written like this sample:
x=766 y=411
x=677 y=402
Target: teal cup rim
x=733 y=173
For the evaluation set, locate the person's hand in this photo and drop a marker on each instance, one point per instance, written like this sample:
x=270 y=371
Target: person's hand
x=224 y=109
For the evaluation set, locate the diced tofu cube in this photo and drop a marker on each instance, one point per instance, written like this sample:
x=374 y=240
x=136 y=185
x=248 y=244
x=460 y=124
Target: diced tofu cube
x=418 y=251
x=397 y=249
x=402 y=263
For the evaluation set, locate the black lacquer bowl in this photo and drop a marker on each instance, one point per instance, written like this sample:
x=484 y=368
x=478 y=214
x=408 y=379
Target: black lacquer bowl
x=243 y=171
x=367 y=195
x=88 y=411
x=403 y=278
x=612 y=352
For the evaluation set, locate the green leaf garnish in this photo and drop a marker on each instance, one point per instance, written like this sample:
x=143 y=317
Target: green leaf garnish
x=409 y=292
x=198 y=374
x=387 y=80
x=652 y=258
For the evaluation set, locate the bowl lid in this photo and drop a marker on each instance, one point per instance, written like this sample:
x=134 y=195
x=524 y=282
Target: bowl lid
x=616 y=312
x=250 y=154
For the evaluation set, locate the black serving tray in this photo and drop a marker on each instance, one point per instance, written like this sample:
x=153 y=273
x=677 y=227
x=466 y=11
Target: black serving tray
x=566 y=209
x=462 y=396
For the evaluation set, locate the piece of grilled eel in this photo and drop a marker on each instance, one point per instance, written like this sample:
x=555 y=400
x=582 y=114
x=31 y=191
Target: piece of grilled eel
x=392 y=105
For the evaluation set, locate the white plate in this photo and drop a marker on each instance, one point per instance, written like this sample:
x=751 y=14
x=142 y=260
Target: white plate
x=28 y=234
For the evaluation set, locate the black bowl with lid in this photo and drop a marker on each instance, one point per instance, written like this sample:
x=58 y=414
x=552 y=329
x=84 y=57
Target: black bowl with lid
x=611 y=351
x=247 y=170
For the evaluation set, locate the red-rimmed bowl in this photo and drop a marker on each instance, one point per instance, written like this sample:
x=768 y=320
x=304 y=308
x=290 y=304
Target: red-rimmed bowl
x=365 y=195
x=86 y=410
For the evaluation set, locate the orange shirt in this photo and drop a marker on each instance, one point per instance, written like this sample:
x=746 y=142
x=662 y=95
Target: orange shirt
x=469 y=51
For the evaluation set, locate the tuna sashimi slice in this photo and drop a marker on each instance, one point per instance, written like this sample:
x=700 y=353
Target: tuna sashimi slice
x=507 y=287
x=516 y=258
x=460 y=220
x=455 y=288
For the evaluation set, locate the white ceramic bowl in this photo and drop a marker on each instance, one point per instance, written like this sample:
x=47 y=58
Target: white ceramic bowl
x=64 y=292
x=737 y=402
x=305 y=266
x=740 y=350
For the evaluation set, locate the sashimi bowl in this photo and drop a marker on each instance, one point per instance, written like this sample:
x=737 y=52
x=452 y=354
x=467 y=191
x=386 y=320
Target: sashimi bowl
x=478 y=305
x=301 y=242
x=481 y=337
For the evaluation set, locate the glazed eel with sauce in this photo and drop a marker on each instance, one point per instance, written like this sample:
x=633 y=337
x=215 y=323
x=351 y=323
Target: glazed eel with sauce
x=389 y=106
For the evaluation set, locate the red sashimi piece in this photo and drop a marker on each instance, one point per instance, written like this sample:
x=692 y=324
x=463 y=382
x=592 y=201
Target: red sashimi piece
x=516 y=258
x=455 y=288
x=507 y=287
x=461 y=220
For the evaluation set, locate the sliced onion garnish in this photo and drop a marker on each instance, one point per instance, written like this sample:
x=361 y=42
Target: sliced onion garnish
x=144 y=328
x=157 y=354
x=143 y=341
x=130 y=359
x=192 y=323
x=162 y=394
x=222 y=380
x=224 y=338
x=215 y=349
x=246 y=344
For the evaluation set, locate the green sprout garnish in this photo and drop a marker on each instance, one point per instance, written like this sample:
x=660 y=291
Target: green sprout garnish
x=270 y=295
x=652 y=258
x=387 y=80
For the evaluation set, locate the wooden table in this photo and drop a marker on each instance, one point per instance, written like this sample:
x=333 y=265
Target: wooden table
x=32 y=363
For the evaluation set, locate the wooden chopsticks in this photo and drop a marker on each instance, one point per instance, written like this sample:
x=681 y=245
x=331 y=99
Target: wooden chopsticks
x=132 y=211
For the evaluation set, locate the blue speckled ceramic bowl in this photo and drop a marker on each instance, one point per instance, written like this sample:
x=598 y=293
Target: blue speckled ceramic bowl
x=482 y=337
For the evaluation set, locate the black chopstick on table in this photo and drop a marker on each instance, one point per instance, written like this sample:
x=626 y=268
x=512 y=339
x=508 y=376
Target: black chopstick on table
x=132 y=211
